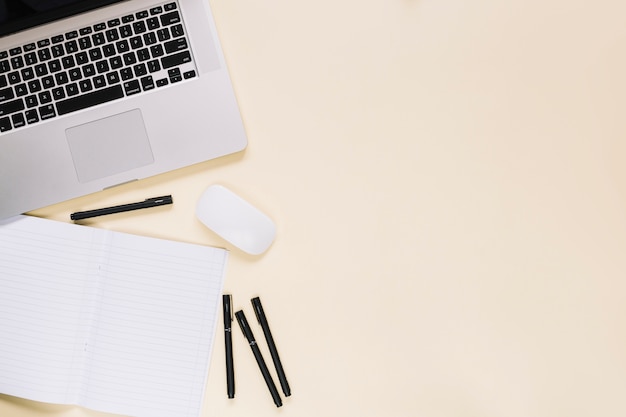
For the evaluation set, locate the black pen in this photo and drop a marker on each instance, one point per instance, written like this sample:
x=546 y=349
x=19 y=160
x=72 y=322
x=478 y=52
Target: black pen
x=149 y=202
x=245 y=328
x=260 y=315
x=228 y=338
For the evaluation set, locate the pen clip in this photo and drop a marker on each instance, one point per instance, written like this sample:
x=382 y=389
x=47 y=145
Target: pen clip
x=166 y=199
x=230 y=307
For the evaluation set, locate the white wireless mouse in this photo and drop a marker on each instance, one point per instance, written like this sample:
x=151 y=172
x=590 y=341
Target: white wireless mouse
x=235 y=220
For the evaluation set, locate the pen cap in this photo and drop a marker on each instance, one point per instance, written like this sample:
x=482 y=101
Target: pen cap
x=258 y=308
x=245 y=327
x=227 y=303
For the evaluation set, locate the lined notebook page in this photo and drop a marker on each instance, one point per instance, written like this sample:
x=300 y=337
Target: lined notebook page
x=111 y=321
x=158 y=310
x=46 y=279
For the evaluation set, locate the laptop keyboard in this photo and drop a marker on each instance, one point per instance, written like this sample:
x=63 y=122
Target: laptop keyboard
x=81 y=68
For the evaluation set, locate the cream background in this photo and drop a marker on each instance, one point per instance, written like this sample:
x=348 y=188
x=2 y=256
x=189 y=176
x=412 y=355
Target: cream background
x=449 y=187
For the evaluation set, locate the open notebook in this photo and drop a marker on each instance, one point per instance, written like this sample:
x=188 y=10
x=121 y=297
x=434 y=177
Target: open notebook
x=106 y=320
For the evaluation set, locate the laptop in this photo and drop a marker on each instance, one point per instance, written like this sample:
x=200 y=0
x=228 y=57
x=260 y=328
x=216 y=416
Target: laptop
x=98 y=93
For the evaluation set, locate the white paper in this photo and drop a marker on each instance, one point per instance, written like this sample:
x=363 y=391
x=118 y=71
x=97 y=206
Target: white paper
x=110 y=321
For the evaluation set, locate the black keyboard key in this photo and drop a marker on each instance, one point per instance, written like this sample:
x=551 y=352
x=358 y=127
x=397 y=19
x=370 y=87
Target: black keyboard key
x=108 y=50
x=142 y=14
x=128 y=19
x=153 y=23
x=175 y=45
x=13 y=106
x=14 y=77
x=126 y=31
x=85 y=85
x=149 y=38
x=89 y=70
x=98 y=39
x=126 y=74
x=32 y=116
x=31 y=101
x=34 y=86
x=147 y=83
x=156 y=10
x=71 y=89
x=85 y=31
x=175 y=75
x=90 y=99
x=55 y=65
x=6 y=94
x=170 y=18
x=5 y=66
x=177 y=31
x=71 y=47
x=47 y=112
x=162 y=82
x=132 y=87
x=41 y=70
x=140 y=70
x=28 y=74
x=71 y=35
x=17 y=62
x=30 y=58
x=82 y=58
x=68 y=62
x=95 y=54
x=30 y=47
x=163 y=34
x=45 y=97
x=143 y=55
x=139 y=27
x=47 y=82
x=18 y=120
x=116 y=62
x=84 y=43
x=122 y=46
x=136 y=42
x=61 y=78
x=113 y=77
x=102 y=66
x=57 y=39
x=5 y=124
x=21 y=90
x=112 y=35
x=57 y=51
x=113 y=23
x=189 y=74
x=43 y=43
x=99 y=27
x=99 y=81
x=58 y=93
x=3 y=81
x=157 y=51
x=169 y=6
x=154 y=65
x=75 y=74
x=15 y=51
x=175 y=59
x=130 y=58
x=44 y=54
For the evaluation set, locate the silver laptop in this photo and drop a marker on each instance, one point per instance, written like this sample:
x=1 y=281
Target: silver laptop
x=97 y=93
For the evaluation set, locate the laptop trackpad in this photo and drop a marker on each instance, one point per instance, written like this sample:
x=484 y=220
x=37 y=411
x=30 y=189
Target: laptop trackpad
x=109 y=146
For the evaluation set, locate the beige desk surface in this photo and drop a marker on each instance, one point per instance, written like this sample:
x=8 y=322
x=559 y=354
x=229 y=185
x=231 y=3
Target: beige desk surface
x=448 y=179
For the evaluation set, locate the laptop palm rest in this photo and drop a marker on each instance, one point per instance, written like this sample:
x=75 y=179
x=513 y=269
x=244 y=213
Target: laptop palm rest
x=109 y=146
